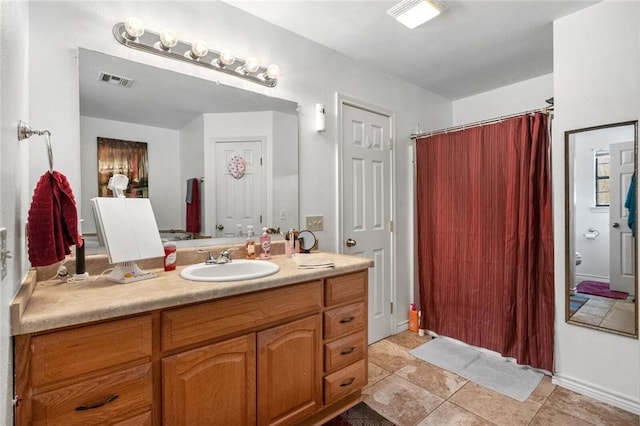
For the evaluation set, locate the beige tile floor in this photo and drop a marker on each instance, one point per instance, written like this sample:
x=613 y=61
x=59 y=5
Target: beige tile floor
x=409 y=391
x=609 y=313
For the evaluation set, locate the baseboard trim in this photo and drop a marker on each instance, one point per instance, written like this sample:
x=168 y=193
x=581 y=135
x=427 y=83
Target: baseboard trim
x=402 y=326
x=600 y=394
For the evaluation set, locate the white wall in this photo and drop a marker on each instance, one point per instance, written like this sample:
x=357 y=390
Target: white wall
x=311 y=74
x=596 y=81
x=285 y=172
x=163 y=150
x=518 y=97
x=14 y=194
x=192 y=164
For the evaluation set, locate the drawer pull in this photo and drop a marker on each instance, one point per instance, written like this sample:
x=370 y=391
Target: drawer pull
x=347 y=320
x=348 y=382
x=98 y=404
x=348 y=351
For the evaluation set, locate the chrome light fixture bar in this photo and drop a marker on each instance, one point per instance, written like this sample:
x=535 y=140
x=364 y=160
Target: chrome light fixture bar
x=132 y=34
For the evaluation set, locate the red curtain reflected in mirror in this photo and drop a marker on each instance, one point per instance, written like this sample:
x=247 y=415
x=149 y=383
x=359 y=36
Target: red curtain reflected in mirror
x=485 y=237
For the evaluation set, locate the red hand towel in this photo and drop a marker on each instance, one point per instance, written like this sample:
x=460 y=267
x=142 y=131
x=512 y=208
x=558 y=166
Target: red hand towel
x=193 y=208
x=52 y=220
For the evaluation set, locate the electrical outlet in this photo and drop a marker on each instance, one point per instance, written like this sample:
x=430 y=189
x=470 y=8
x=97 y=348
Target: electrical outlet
x=315 y=223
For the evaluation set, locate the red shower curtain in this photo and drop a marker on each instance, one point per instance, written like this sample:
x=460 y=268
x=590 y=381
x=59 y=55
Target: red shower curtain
x=485 y=242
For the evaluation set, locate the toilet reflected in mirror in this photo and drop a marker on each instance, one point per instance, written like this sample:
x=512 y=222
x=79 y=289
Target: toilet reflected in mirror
x=600 y=218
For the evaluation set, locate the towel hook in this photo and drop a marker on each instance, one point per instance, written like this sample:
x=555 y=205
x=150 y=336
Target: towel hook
x=25 y=131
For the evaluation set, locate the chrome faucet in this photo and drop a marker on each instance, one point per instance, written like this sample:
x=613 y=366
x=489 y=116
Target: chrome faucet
x=223 y=257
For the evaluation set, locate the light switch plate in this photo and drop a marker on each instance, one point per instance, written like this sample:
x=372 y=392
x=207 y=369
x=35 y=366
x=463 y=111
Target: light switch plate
x=315 y=223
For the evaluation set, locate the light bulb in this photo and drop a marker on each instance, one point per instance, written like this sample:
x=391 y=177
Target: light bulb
x=168 y=39
x=273 y=72
x=133 y=26
x=226 y=58
x=251 y=64
x=199 y=49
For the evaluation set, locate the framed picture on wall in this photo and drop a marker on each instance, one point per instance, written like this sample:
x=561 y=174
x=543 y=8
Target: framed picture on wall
x=129 y=158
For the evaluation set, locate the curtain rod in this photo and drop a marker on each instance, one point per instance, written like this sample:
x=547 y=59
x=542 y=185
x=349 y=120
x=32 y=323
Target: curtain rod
x=545 y=110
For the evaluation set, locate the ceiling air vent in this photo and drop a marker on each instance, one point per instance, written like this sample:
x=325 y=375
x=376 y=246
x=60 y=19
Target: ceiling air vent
x=116 y=80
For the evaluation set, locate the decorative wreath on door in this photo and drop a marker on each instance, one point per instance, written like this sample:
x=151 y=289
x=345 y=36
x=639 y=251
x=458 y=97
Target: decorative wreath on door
x=236 y=166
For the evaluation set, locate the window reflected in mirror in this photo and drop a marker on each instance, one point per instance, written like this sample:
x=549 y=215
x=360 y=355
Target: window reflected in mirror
x=601 y=245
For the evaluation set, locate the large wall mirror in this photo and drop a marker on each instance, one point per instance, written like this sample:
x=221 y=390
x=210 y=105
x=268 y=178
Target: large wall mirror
x=193 y=129
x=601 y=216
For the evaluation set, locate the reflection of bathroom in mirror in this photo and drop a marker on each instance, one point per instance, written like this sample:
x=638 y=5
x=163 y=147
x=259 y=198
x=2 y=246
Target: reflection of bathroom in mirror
x=195 y=129
x=602 y=285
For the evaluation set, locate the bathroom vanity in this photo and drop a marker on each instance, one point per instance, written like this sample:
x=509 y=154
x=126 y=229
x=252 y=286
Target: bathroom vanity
x=286 y=349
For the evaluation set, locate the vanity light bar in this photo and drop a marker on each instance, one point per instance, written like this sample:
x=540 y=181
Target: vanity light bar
x=168 y=45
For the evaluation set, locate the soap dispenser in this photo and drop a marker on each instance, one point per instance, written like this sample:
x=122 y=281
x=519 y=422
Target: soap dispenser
x=250 y=249
x=265 y=243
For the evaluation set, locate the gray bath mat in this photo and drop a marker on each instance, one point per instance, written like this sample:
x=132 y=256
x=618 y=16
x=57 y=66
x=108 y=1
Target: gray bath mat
x=491 y=372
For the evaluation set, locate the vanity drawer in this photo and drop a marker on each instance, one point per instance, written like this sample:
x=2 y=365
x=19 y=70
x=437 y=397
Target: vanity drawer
x=100 y=400
x=66 y=354
x=345 y=381
x=344 y=351
x=345 y=288
x=199 y=323
x=343 y=320
x=144 y=419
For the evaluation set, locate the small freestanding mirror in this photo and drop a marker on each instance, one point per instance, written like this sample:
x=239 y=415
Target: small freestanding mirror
x=601 y=234
x=130 y=233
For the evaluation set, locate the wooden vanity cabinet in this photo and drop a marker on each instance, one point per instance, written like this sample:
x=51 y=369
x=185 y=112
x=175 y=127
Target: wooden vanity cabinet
x=214 y=384
x=289 y=355
x=95 y=374
x=345 y=335
x=269 y=376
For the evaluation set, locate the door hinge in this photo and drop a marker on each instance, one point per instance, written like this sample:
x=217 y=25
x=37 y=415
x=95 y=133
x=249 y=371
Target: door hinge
x=16 y=400
x=261 y=161
x=391 y=226
x=390 y=144
x=391 y=308
x=260 y=218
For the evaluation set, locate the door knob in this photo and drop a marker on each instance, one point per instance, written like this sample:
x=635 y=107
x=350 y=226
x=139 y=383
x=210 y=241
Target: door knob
x=350 y=242
x=616 y=225
x=220 y=227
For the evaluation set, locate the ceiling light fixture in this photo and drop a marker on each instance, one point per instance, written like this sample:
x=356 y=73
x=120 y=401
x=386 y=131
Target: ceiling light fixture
x=413 y=13
x=131 y=33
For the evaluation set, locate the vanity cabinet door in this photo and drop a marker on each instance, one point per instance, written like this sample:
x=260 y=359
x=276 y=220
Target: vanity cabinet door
x=211 y=385
x=290 y=371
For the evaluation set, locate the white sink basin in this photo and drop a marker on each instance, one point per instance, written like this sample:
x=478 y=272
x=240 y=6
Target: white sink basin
x=236 y=270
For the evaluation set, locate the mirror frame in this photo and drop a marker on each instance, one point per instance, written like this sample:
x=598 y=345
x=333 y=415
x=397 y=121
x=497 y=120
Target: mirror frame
x=569 y=266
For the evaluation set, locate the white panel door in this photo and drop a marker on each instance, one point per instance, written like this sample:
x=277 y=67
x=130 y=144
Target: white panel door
x=366 y=207
x=621 y=240
x=238 y=201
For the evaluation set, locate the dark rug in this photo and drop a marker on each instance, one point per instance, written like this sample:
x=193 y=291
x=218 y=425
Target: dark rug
x=575 y=302
x=359 y=415
x=600 y=289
